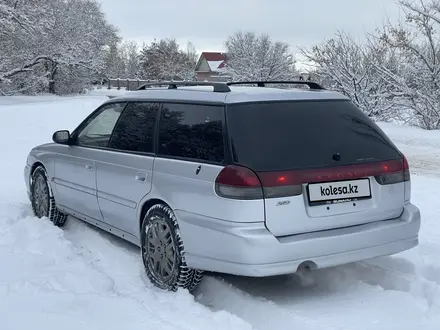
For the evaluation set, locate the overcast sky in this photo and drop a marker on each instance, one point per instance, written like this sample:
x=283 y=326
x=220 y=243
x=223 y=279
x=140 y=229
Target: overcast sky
x=207 y=23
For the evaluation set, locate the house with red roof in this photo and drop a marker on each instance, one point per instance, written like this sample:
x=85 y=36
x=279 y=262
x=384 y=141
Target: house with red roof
x=209 y=66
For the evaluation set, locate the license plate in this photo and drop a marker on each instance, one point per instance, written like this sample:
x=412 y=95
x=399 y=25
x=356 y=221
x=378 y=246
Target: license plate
x=339 y=192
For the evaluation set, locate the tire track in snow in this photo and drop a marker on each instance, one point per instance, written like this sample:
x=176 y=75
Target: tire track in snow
x=121 y=263
x=82 y=271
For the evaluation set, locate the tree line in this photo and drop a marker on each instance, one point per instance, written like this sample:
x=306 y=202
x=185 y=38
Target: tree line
x=249 y=56
x=64 y=47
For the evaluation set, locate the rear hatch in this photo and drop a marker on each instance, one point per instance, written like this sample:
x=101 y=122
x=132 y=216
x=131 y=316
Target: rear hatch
x=321 y=164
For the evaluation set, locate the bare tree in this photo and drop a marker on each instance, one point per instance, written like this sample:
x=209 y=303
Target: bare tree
x=130 y=54
x=252 y=57
x=189 y=62
x=114 y=61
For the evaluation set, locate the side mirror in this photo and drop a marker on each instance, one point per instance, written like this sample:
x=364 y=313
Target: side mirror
x=61 y=137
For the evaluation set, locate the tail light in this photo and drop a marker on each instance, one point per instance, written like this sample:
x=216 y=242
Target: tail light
x=394 y=172
x=238 y=182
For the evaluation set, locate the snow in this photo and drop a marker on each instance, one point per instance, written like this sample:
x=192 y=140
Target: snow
x=52 y=278
x=213 y=65
x=421 y=147
x=79 y=277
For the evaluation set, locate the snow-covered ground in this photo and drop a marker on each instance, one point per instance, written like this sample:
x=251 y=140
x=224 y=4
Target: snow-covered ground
x=82 y=278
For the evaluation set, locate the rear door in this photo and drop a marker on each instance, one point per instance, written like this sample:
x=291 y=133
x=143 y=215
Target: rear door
x=318 y=161
x=124 y=171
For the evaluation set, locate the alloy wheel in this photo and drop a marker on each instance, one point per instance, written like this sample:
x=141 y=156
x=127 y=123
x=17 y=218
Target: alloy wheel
x=159 y=250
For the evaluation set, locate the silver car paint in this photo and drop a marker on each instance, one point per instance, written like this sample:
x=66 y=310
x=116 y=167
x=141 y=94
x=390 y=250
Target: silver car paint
x=238 y=94
x=123 y=180
x=250 y=249
x=258 y=238
x=298 y=217
x=192 y=196
x=74 y=180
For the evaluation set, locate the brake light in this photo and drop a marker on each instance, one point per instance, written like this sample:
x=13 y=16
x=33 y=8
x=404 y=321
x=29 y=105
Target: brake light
x=239 y=182
x=397 y=171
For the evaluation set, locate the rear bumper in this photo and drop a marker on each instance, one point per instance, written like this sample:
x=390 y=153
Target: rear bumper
x=249 y=249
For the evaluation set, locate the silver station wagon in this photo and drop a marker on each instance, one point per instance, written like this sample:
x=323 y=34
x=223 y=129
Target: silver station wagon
x=237 y=178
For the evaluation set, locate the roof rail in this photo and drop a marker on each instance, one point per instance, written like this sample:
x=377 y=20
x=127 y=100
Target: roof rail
x=219 y=87
x=312 y=85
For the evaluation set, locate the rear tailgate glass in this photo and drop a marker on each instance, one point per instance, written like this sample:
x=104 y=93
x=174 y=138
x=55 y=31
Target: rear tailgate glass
x=276 y=136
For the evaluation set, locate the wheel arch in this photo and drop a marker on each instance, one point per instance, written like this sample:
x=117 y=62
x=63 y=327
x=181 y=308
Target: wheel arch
x=187 y=277
x=146 y=206
x=34 y=166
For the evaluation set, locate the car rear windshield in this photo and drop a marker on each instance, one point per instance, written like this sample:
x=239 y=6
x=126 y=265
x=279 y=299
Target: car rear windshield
x=275 y=136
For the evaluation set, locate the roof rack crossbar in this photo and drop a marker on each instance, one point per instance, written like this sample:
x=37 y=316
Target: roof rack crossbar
x=219 y=87
x=311 y=84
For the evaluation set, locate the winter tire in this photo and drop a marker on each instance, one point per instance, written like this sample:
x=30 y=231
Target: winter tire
x=163 y=252
x=42 y=200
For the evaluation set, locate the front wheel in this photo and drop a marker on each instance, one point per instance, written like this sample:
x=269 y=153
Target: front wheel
x=163 y=252
x=42 y=200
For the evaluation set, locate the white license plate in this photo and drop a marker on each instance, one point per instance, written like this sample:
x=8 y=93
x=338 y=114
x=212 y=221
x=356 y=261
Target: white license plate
x=339 y=191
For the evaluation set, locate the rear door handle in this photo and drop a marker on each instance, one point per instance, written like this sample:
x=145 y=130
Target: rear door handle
x=141 y=177
x=90 y=167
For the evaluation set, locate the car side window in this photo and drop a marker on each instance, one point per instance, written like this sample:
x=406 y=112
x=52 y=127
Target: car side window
x=135 y=129
x=97 y=130
x=192 y=131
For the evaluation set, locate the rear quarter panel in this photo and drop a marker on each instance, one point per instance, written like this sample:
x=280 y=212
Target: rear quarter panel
x=196 y=205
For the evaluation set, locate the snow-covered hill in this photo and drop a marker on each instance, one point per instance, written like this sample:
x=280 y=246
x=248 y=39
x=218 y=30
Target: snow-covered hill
x=82 y=278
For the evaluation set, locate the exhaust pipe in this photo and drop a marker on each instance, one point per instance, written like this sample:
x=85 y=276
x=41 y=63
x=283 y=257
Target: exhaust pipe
x=303 y=272
x=306 y=267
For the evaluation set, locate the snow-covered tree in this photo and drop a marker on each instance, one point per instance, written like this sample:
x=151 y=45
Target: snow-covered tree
x=252 y=57
x=20 y=22
x=164 y=60
x=50 y=41
x=344 y=65
x=418 y=43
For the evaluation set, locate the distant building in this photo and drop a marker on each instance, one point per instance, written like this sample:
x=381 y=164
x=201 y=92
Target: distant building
x=209 y=66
